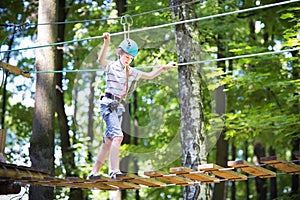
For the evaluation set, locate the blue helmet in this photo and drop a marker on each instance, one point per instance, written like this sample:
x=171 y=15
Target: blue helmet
x=129 y=46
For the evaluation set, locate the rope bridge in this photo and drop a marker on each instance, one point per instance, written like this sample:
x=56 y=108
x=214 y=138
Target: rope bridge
x=206 y=173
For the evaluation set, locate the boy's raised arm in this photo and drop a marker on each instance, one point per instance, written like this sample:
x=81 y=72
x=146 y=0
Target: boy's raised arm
x=102 y=55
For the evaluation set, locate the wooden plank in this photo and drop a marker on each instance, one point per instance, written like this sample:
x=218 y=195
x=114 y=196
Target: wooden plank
x=72 y=183
x=18 y=172
x=94 y=179
x=281 y=164
x=95 y=183
x=222 y=172
x=171 y=178
x=14 y=69
x=118 y=182
x=194 y=175
x=122 y=184
x=142 y=180
x=252 y=169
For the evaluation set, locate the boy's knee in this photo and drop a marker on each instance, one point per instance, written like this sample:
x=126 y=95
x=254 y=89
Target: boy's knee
x=107 y=141
x=117 y=140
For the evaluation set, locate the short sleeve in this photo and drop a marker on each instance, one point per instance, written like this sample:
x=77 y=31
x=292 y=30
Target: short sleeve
x=135 y=73
x=108 y=66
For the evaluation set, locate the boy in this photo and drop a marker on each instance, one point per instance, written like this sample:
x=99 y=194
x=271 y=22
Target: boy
x=119 y=76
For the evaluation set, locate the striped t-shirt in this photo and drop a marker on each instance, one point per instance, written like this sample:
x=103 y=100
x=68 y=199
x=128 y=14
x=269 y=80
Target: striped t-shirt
x=116 y=78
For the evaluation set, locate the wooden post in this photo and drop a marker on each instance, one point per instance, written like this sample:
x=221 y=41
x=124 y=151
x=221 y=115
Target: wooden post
x=2 y=144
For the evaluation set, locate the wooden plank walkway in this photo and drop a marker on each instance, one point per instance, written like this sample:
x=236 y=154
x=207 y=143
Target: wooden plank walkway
x=252 y=169
x=206 y=173
x=281 y=164
x=226 y=173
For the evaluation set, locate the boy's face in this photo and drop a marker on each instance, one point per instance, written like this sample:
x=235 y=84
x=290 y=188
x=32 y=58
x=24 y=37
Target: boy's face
x=126 y=59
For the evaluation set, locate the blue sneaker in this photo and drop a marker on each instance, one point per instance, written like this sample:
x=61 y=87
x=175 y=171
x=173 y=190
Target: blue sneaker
x=113 y=173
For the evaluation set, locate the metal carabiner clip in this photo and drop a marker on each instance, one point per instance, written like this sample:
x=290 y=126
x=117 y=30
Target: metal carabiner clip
x=126 y=19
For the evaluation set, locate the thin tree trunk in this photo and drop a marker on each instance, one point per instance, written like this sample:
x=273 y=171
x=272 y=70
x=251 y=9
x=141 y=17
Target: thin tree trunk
x=121 y=8
x=220 y=190
x=273 y=184
x=67 y=152
x=261 y=189
x=135 y=139
x=295 y=141
x=192 y=126
x=42 y=140
x=247 y=182
x=91 y=114
x=233 y=156
x=295 y=178
x=5 y=82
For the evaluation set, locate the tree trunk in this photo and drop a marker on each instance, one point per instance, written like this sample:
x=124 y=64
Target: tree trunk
x=295 y=178
x=247 y=182
x=124 y=164
x=261 y=189
x=192 y=126
x=121 y=6
x=295 y=140
x=67 y=152
x=4 y=97
x=91 y=114
x=220 y=190
x=42 y=140
x=233 y=157
x=273 y=184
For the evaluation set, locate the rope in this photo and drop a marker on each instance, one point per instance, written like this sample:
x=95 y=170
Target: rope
x=179 y=64
x=96 y=20
x=162 y=25
x=237 y=57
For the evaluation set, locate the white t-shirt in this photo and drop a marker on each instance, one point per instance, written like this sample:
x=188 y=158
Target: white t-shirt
x=116 y=78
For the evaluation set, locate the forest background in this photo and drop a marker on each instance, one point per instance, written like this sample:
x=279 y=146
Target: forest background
x=253 y=56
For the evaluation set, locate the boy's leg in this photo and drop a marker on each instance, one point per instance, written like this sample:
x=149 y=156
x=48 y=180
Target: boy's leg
x=114 y=152
x=102 y=154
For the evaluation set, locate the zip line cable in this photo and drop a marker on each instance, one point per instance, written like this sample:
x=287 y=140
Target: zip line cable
x=166 y=8
x=159 y=26
x=96 y=20
x=241 y=56
x=179 y=64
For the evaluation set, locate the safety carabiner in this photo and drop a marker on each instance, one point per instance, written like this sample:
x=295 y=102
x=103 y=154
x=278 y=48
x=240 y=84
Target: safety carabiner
x=126 y=20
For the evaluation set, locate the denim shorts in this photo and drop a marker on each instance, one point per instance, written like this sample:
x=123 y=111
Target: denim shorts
x=113 y=119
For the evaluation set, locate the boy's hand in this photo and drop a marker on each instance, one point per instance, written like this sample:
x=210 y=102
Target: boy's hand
x=169 y=65
x=106 y=37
